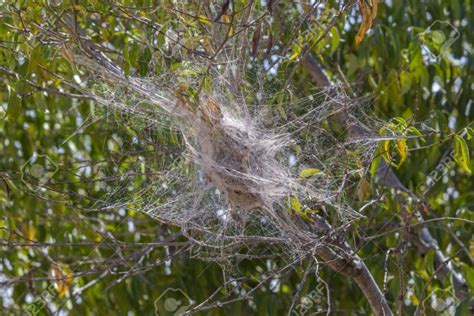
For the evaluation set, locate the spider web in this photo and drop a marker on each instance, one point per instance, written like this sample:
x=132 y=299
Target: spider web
x=236 y=183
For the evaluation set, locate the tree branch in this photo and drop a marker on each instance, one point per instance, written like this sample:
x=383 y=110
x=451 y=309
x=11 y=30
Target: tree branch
x=352 y=266
x=389 y=179
x=342 y=259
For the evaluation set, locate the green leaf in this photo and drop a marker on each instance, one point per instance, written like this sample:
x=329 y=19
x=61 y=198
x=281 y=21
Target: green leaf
x=335 y=40
x=372 y=82
x=207 y=83
x=35 y=59
x=463 y=308
x=470 y=132
x=429 y=260
x=413 y=130
x=144 y=61
x=375 y=163
x=437 y=37
x=14 y=104
x=295 y=204
x=393 y=89
x=134 y=54
x=469 y=273
x=125 y=51
x=405 y=82
x=385 y=151
x=309 y=172
x=461 y=153
x=297 y=48
x=188 y=72
x=295 y=54
x=401 y=121
x=282 y=112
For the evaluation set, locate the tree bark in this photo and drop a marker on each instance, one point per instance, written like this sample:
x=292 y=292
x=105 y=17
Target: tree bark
x=339 y=256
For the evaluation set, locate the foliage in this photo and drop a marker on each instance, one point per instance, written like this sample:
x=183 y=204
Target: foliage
x=64 y=157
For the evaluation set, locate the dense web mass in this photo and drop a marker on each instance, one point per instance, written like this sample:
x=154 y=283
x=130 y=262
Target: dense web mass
x=241 y=181
x=142 y=138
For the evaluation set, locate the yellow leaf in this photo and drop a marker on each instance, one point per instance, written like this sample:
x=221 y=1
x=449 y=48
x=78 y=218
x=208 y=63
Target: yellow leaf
x=31 y=232
x=295 y=204
x=296 y=53
x=309 y=172
x=298 y=208
x=62 y=280
x=414 y=300
x=226 y=19
x=204 y=20
x=461 y=153
x=297 y=47
x=386 y=151
x=98 y=237
x=402 y=150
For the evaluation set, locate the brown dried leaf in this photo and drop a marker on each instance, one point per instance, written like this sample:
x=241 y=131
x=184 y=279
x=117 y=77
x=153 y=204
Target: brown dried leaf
x=374 y=9
x=62 y=280
x=368 y=16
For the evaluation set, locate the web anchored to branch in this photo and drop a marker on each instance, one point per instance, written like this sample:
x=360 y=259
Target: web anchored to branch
x=242 y=179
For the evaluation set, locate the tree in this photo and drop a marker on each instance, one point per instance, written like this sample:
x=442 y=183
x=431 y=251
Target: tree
x=236 y=157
